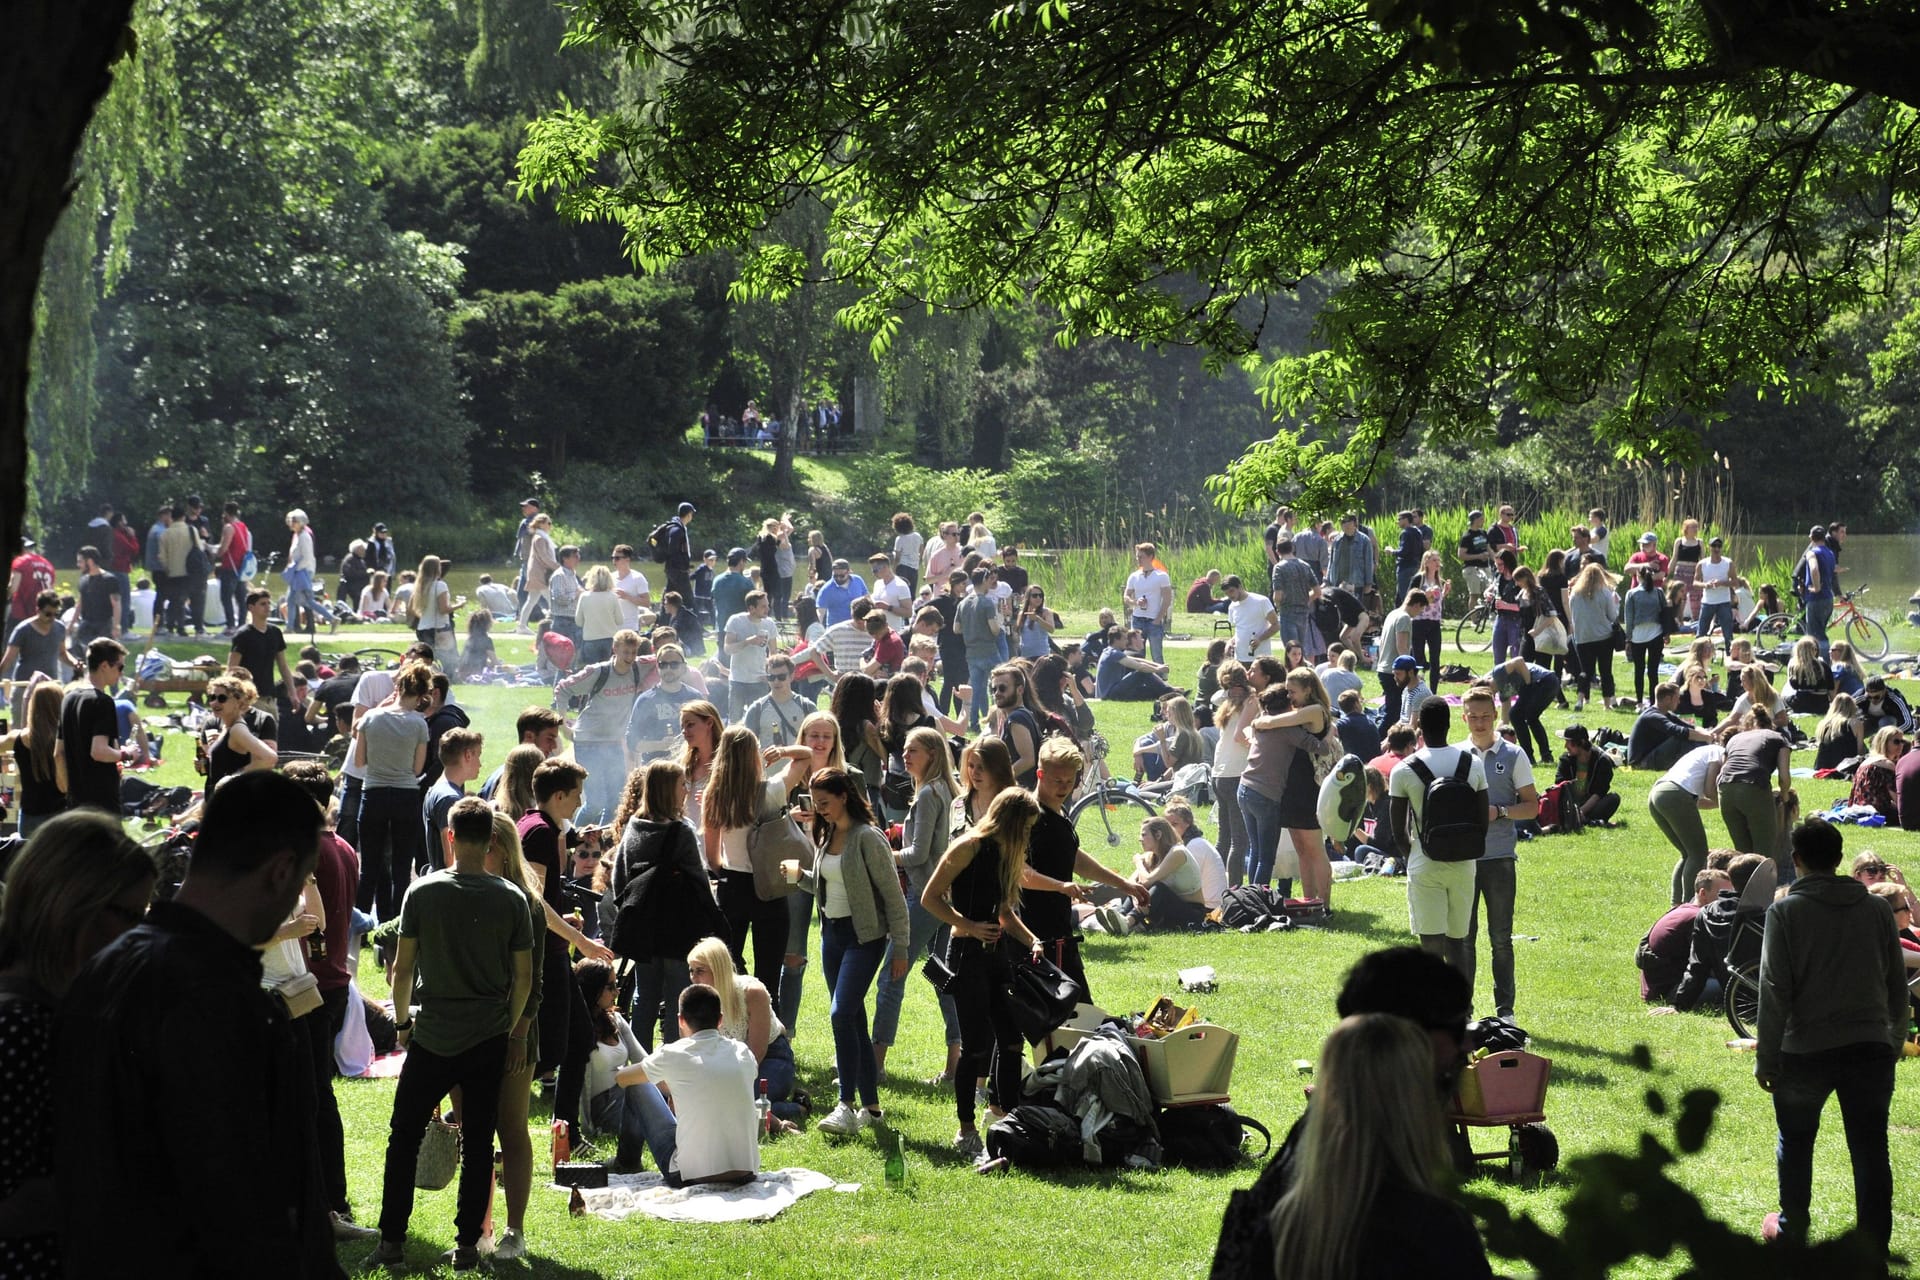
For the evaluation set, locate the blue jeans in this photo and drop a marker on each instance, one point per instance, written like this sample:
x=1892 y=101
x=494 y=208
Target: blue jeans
x=1293 y=626
x=1264 y=834
x=1819 y=614
x=793 y=976
x=638 y=1114
x=1862 y=1074
x=886 y=1001
x=588 y=652
x=1156 y=634
x=1506 y=637
x=233 y=599
x=657 y=984
x=849 y=965
x=1722 y=614
x=979 y=675
x=606 y=766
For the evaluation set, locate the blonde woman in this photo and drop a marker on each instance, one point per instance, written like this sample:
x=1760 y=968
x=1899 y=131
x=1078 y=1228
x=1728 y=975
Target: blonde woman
x=374 y=599
x=986 y=770
x=1171 y=877
x=747 y=1015
x=700 y=726
x=1700 y=695
x=1593 y=609
x=1841 y=735
x=1277 y=791
x=975 y=892
x=540 y=564
x=741 y=795
x=1848 y=675
x=1757 y=696
x=1873 y=781
x=1234 y=710
x=1810 y=679
x=598 y=615
x=515 y=794
x=236 y=748
x=819 y=557
x=1431 y=579
x=926 y=834
x=505 y=860
x=1372 y=1164
x=1170 y=745
x=430 y=609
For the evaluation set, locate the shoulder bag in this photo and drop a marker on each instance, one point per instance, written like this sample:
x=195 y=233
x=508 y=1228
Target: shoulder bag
x=774 y=839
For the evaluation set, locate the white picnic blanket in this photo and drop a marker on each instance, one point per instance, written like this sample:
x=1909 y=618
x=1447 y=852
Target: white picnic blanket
x=767 y=1196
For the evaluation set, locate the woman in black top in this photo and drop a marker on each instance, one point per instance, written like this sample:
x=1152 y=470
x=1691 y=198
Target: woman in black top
x=1841 y=734
x=236 y=749
x=35 y=760
x=685 y=623
x=976 y=891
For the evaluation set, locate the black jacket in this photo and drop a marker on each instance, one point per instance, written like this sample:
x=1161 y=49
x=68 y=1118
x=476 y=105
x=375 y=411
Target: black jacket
x=188 y=1149
x=1599 y=773
x=659 y=881
x=1707 y=956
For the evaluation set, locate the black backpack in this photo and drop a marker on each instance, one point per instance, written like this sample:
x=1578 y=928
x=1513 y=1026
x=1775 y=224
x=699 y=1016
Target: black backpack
x=1453 y=816
x=1251 y=906
x=1209 y=1136
x=657 y=543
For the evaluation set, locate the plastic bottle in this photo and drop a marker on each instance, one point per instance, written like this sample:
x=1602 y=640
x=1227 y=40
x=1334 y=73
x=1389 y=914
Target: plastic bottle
x=897 y=1164
x=764 y=1106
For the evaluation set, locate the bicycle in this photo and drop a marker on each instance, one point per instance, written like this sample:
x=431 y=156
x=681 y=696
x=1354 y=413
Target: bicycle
x=1868 y=638
x=1102 y=796
x=1474 y=632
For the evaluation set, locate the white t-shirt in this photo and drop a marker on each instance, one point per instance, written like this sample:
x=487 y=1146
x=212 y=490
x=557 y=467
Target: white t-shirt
x=497 y=598
x=372 y=690
x=1714 y=588
x=1406 y=785
x=1230 y=752
x=1689 y=773
x=1213 y=872
x=634 y=583
x=711 y=1078
x=1250 y=617
x=1156 y=586
x=906 y=550
x=890 y=595
x=750 y=661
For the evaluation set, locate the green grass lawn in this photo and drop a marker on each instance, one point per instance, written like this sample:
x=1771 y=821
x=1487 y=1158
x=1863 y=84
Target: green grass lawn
x=1584 y=903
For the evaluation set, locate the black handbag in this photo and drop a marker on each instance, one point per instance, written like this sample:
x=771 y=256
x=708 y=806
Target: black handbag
x=1039 y=993
x=936 y=971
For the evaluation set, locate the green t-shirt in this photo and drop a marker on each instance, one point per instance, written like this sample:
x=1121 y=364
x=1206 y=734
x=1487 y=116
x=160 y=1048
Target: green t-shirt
x=466 y=929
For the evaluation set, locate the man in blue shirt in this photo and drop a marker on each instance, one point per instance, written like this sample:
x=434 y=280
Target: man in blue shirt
x=730 y=589
x=1412 y=547
x=1816 y=578
x=1125 y=674
x=835 y=598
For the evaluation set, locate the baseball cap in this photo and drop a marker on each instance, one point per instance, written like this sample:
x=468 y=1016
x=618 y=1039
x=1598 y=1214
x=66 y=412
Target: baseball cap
x=379 y=528
x=26 y=544
x=1818 y=533
x=1406 y=662
x=529 y=502
x=1577 y=735
x=1649 y=536
x=1716 y=541
x=688 y=509
x=736 y=555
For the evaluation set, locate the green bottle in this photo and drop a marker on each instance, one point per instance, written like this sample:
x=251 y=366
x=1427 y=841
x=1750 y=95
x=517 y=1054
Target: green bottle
x=897 y=1164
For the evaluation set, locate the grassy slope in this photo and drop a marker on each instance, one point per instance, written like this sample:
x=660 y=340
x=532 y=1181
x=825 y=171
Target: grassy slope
x=1584 y=903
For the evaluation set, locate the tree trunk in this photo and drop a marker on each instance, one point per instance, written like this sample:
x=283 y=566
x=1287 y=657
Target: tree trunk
x=58 y=70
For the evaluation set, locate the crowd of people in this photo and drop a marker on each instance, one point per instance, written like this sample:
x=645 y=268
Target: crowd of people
x=580 y=920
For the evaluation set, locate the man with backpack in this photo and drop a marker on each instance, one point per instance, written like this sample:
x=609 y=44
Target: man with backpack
x=1814 y=581
x=1512 y=797
x=669 y=546
x=1440 y=812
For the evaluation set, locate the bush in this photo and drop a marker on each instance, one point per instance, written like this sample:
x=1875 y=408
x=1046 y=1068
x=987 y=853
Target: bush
x=880 y=487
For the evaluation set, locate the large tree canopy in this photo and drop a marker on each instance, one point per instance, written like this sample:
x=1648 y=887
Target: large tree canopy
x=1522 y=204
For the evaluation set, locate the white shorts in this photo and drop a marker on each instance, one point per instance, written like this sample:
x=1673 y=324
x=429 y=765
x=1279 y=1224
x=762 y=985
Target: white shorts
x=1440 y=897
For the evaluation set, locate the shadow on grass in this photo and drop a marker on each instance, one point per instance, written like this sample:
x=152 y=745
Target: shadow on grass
x=1553 y=1048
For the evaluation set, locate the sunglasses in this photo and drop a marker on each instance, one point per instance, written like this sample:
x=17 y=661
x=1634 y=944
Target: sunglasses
x=673 y=666
x=779 y=677
x=216 y=698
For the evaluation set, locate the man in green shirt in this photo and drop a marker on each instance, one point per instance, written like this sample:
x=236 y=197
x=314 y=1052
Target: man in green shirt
x=468 y=937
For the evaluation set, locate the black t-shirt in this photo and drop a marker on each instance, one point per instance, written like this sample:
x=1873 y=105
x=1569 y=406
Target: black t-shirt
x=1016 y=577
x=1052 y=850
x=85 y=714
x=1474 y=546
x=953 y=646
x=1024 y=718
x=336 y=691
x=96 y=601
x=1346 y=602
x=1553 y=590
x=976 y=889
x=258 y=653
x=265 y=725
x=540 y=843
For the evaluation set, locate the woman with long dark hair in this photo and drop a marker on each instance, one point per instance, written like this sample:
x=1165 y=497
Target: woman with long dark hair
x=35 y=762
x=856 y=709
x=862 y=912
x=925 y=837
x=975 y=891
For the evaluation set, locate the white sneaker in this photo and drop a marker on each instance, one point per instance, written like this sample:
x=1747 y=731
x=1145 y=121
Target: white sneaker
x=511 y=1245
x=843 y=1121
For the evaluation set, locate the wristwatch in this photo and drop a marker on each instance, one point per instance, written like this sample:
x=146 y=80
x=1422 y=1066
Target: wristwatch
x=1501 y=811
x=403 y=1026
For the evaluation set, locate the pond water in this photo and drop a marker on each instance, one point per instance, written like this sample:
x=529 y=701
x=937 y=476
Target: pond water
x=1889 y=564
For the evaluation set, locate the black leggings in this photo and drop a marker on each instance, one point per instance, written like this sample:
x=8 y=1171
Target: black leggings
x=1596 y=658
x=392 y=843
x=566 y=1037
x=1645 y=661
x=767 y=921
x=1426 y=648
x=989 y=1039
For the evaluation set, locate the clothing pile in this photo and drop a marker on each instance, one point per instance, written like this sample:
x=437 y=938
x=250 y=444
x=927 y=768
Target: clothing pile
x=1859 y=815
x=1090 y=1105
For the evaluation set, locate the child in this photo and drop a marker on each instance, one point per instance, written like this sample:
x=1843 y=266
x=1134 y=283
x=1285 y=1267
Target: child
x=478 y=658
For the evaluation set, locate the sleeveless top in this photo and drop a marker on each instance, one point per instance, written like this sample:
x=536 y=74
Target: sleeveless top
x=223 y=761
x=976 y=890
x=736 y=1029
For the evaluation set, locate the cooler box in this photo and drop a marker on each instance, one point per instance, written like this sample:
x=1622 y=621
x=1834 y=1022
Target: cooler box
x=1191 y=1065
x=1069 y=1033
x=1513 y=1083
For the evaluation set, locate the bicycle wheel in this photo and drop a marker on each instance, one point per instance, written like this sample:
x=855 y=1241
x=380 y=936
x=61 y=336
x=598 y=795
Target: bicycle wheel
x=377 y=659
x=1774 y=628
x=1868 y=638
x=1109 y=820
x=1743 y=998
x=1474 y=634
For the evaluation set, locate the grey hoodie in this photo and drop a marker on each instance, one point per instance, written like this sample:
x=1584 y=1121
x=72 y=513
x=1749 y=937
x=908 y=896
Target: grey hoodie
x=1830 y=972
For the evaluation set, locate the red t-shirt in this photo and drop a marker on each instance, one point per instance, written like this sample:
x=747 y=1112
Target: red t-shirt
x=1199 y=596
x=889 y=650
x=36 y=575
x=337 y=875
x=125 y=550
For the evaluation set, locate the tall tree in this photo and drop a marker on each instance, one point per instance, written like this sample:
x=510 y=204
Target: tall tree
x=1521 y=201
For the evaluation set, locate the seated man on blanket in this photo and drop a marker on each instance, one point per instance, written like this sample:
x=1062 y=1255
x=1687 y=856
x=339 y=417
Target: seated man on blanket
x=712 y=1133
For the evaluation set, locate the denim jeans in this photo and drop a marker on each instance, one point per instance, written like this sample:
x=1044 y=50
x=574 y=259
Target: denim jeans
x=742 y=694
x=233 y=597
x=979 y=675
x=1390 y=697
x=1862 y=1074
x=606 y=766
x=1720 y=614
x=1506 y=636
x=1293 y=626
x=425 y=1078
x=793 y=977
x=1264 y=834
x=1493 y=883
x=300 y=595
x=922 y=926
x=393 y=841
x=1819 y=614
x=849 y=965
x=638 y=1114
x=657 y=984
x=351 y=789
x=589 y=652
x=1155 y=633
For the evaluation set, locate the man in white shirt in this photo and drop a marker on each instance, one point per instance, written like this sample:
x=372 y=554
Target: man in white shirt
x=890 y=592
x=630 y=585
x=750 y=637
x=1440 y=895
x=1149 y=598
x=497 y=599
x=1254 y=621
x=712 y=1133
